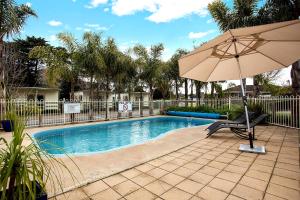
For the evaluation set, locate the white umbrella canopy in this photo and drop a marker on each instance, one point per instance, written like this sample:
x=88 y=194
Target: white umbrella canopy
x=241 y=53
x=259 y=49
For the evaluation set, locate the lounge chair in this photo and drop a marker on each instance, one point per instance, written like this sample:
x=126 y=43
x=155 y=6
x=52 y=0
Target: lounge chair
x=239 y=128
x=239 y=120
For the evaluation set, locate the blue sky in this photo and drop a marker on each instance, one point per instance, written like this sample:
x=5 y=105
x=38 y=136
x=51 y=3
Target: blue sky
x=175 y=23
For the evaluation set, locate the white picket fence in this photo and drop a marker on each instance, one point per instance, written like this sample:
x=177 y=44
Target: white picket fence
x=283 y=111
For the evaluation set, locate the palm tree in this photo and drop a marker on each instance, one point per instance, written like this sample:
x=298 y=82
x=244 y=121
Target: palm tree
x=248 y=13
x=89 y=58
x=12 y=19
x=149 y=62
x=174 y=70
x=110 y=58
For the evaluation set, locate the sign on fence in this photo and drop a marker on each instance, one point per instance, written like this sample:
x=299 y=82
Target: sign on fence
x=70 y=108
x=125 y=106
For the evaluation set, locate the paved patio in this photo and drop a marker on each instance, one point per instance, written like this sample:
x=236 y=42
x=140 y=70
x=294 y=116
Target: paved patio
x=209 y=169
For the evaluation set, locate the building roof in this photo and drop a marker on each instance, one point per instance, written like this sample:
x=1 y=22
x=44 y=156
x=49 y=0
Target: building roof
x=249 y=88
x=37 y=88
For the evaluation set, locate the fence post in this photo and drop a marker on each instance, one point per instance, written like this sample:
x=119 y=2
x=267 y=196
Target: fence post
x=229 y=103
x=141 y=108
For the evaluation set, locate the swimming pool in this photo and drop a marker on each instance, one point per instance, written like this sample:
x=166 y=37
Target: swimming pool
x=111 y=135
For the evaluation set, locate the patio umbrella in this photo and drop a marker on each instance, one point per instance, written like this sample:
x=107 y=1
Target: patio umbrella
x=241 y=53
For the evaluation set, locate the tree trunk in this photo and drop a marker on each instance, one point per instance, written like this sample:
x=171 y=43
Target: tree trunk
x=295 y=108
x=106 y=98
x=91 y=97
x=186 y=91
x=72 y=99
x=192 y=88
x=212 y=89
x=151 y=100
x=256 y=89
x=176 y=90
x=2 y=68
x=198 y=92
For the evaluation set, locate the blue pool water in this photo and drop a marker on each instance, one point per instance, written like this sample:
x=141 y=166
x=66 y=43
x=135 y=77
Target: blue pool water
x=107 y=136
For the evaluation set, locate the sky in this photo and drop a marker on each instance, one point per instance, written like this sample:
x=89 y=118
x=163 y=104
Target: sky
x=175 y=23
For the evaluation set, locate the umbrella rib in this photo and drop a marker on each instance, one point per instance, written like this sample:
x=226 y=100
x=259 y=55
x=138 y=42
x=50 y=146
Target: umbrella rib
x=264 y=55
x=219 y=61
x=271 y=40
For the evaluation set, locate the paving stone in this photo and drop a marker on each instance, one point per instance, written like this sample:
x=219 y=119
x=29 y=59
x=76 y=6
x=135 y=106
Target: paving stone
x=262 y=168
x=271 y=197
x=145 y=167
x=193 y=166
x=190 y=186
x=140 y=194
x=157 y=172
x=172 y=179
x=176 y=194
x=254 y=183
x=232 y=197
x=284 y=192
x=169 y=166
x=158 y=187
x=247 y=192
x=287 y=173
x=108 y=194
x=74 y=194
x=221 y=184
x=156 y=162
x=179 y=161
x=114 y=180
x=259 y=175
x=210 y=193
x=290 y=183
x=241 y=163
x=218 y=165
x=294 y=168
x=201 y=178
x=209 y=170
x=95 y=187
x=131 y=173
x=229 y=176
x=143 y=179
x=235 y=169
x=126 y=187
x=184 y=172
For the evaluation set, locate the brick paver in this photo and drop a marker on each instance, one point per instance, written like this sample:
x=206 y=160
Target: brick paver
x=211 y=168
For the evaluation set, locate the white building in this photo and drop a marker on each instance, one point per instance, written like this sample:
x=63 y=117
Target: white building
x=83 y=95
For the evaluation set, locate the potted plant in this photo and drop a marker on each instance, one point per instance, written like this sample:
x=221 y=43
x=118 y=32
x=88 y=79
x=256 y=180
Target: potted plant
x=8 y=123
x=25 y=168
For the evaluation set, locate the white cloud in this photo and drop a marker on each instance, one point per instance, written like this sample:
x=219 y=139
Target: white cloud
x=106 y=9
x=55 y=23
x=28 y=4
x=161 y=10
x=96 y=3
x=209 y=21
x=197 y=35
x=52 y=38
x=96 y=27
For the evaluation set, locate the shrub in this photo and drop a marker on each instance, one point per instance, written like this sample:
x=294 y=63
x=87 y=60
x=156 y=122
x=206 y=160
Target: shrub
x=204 y=109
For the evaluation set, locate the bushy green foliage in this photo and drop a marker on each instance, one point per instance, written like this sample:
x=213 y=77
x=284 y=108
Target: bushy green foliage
x=237 y=110
x=202 y=108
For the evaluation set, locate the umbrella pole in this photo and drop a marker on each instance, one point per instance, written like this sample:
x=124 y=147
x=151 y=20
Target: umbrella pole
x=246 y=113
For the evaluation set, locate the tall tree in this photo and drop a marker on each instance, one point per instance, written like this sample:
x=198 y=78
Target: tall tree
x=174 y=70
x=30 y=67
x=60 y=61
x=12 y=19
x=89 y=58
x=149 y=62
x=110 y=58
